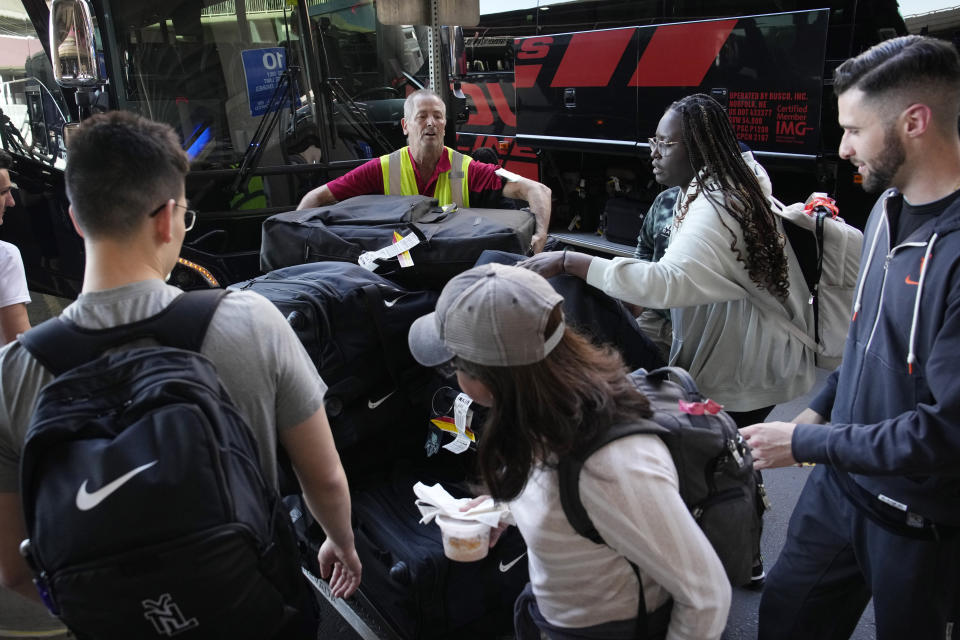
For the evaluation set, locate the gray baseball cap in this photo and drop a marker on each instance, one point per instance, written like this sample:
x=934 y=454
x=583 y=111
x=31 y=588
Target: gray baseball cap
x=493 y=315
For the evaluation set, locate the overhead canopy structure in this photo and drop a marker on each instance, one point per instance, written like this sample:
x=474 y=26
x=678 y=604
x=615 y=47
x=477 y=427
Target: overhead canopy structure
x=465 y=13
x=943 y=23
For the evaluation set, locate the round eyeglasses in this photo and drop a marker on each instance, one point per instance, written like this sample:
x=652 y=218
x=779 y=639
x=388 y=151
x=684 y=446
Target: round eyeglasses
x=660 y=145
x=189 y=215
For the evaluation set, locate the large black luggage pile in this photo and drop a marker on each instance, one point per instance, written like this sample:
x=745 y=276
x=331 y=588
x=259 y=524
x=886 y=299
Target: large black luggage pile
x=414 y=588
x=354 y=322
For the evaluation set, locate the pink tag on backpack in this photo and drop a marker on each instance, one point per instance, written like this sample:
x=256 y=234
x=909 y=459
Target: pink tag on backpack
x=700 y=408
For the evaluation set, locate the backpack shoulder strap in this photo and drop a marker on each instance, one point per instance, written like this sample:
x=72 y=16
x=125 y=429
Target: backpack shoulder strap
x=818 y=233
x=569 y=468
x=60 y=344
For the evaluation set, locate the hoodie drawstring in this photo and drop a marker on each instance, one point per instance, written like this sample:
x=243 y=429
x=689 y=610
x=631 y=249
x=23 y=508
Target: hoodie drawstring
x=911 y=356
x=866 y=270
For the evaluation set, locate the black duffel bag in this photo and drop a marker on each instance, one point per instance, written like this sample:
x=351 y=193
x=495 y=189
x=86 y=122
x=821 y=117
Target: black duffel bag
x=449 y=242
x=354 y=324
x=414 y=586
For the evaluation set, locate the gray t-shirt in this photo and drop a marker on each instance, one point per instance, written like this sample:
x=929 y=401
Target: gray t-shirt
x=261 y=363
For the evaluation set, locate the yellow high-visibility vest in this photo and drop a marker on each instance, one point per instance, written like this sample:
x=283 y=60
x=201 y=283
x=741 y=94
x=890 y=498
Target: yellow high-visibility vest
x=399 y=177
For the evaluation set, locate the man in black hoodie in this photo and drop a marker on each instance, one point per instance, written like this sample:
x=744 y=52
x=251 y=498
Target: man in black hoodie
x=880 y=513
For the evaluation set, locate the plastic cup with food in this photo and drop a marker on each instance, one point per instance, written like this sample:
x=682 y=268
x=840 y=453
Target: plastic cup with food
x=464 y=540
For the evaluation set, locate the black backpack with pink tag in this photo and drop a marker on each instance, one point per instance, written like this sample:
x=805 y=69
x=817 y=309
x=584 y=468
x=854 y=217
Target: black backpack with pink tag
x=714 y=466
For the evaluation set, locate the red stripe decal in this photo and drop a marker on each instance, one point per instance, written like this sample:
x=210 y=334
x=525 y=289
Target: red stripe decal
x=520 y=151
x=481 y=116
x=679 y=55
x=526 y=169
x=591 y=58
x=525 y=75
x=501 y=105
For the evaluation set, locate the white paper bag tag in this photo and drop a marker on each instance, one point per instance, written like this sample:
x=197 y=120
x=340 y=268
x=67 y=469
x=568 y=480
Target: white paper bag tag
x=462 y=415
x=458 y=445
x=368 y=259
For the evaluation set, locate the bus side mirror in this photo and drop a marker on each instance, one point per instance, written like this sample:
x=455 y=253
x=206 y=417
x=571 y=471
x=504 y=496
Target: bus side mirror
x=68 y=130
x=72 y=45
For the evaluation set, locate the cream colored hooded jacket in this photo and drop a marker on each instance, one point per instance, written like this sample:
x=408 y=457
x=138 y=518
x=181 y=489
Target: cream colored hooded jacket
x=725 y=332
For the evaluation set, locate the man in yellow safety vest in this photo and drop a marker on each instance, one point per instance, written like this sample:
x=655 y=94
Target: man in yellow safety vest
x=427 y=167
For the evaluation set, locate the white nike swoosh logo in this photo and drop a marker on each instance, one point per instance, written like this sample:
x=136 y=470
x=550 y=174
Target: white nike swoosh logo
x=87 y=501
x=389 y=303
x=506 y=567
x=373 y=405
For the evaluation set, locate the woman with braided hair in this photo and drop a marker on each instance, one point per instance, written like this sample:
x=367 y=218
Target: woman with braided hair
x=725 y=274
x=714 y=147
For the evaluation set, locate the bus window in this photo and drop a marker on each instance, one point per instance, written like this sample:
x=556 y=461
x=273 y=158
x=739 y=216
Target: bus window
x=32 y=100
x=183 y=63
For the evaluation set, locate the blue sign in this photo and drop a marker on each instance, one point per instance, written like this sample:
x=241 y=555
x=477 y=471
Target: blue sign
x=263 y=68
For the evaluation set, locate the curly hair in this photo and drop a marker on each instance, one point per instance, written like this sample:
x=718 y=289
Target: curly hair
x=715 y=154
x=550 y=408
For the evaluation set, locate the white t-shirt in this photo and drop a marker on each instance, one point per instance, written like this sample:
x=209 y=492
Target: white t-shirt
x=261 y=363
x=13 y=279
x=630 y=490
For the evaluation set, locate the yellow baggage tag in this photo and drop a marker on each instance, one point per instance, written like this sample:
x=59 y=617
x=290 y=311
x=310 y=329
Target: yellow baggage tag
x=405 y=259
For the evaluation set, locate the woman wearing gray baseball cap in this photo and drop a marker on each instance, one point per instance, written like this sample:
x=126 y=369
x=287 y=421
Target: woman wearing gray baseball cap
x=549 y=390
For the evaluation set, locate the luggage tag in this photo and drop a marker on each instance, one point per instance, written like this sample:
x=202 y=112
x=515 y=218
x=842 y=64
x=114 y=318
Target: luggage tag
x=462 y=416
x=368 y=259
x=404 y=258
x=446 y=424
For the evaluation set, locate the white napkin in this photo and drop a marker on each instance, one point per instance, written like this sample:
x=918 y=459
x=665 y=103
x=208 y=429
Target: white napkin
x=435 y=500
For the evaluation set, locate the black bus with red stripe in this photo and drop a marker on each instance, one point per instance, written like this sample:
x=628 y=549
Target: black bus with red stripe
x=590 y=80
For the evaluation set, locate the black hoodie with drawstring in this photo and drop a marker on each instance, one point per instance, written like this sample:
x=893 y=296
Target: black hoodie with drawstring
x=894 y=403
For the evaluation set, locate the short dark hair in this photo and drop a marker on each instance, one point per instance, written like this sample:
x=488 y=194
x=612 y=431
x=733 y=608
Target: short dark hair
x=6 y=161
x=120 y=167
x=898 y=63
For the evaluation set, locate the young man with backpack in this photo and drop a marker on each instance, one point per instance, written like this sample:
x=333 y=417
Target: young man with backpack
x=125 y=180
x=879 y=516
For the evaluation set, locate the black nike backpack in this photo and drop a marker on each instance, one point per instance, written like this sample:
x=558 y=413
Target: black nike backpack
x=147 y=512
x=714 y=468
